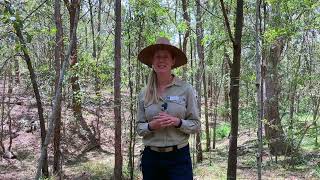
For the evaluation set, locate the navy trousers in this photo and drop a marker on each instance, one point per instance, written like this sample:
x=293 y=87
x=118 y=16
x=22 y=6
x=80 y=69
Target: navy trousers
x=175 y=165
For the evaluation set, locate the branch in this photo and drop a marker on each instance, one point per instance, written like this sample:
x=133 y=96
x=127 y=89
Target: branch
x=226 y=20
x=67 y=4
x=214 y=15
x=34 y=10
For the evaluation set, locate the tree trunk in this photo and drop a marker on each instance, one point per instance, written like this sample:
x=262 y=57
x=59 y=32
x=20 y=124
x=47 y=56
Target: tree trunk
x=17 y=71
x=273 y=127
x=17 y=25
x=234 y=85
x=9 y=111
x=206 y=113
x=59 y=55
x=76 y=100
x=259 y=86
x=200 y=50
x=215 y=99
x=187 y=33
x=131 y=107
x=117 y=92
x=2 y=112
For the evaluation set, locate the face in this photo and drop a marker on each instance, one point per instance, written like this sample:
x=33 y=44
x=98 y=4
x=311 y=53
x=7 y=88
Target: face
x=162 y=61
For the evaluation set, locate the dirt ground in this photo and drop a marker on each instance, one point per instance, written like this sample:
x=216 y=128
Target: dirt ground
x=98 y=164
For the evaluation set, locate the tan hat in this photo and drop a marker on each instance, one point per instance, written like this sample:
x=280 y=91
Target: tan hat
x=146 y=54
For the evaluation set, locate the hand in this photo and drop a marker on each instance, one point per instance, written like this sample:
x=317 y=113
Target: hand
x=163 y=120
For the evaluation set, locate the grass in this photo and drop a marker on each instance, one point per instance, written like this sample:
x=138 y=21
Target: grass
x=205 y=172
x=97 y=169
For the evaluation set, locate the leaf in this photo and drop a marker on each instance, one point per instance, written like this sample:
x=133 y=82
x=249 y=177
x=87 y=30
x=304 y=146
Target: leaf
x=17 y=47
x=29 y=37
x=53 y=31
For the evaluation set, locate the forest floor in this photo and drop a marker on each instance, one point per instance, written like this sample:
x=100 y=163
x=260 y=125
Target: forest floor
x=78 y=163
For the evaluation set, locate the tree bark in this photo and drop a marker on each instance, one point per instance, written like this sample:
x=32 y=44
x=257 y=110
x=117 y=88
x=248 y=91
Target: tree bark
x=186 y=34
x=259 y=86
x=59 y=55
x=117 y=92
x=234 y=85
x=199 y=31
x=225 y=72
x=17 y=71
x=273 y=128
x=2 y=112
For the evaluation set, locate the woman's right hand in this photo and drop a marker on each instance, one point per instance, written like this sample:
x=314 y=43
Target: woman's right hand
x=160 y=122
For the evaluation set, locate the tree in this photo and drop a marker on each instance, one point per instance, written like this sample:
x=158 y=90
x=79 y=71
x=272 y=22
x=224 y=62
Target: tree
x=259 y=85
x=59 y=55
x=234 y=85
x=199 y=75
x=117 y=91
x=73 y=6
x=17 y=26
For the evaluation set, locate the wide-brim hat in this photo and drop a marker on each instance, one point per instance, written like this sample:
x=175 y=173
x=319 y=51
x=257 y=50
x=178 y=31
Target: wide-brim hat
x=146 y=54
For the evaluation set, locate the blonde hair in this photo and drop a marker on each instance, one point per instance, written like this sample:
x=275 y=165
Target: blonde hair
x=151 y=94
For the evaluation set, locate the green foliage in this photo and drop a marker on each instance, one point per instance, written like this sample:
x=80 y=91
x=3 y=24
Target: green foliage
x=223 y=130
x=97 y=170
x=317 y=170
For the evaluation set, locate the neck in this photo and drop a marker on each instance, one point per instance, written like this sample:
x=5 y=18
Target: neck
x=164 y=79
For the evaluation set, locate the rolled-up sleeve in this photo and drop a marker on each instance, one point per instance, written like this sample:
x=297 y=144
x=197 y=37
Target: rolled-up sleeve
x=191 y=124
x=142 y=124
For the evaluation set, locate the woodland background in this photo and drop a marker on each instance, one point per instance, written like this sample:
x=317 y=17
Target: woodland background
x=69 y=79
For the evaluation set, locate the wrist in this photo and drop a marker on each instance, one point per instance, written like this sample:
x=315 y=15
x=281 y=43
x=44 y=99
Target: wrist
x=179 y=124
x=149 y=127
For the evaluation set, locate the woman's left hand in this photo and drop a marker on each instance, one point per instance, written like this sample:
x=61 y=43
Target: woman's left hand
x=173 y=121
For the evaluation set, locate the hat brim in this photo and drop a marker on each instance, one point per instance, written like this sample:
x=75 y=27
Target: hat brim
x=146 y=54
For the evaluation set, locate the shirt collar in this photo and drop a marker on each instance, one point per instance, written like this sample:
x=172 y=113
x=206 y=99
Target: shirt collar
x=176 y=81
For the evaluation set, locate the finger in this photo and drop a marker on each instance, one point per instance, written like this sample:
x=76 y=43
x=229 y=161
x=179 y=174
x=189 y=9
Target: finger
x=164 y=115
x=166 y=123
x=159 y=118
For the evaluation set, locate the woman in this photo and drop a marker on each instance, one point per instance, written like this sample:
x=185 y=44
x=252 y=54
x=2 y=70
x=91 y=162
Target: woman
x=167 y=115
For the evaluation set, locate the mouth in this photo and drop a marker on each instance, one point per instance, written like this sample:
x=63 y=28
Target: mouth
x=161 y=66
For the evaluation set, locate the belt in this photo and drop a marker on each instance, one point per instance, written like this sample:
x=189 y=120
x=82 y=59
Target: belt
x=168 y=149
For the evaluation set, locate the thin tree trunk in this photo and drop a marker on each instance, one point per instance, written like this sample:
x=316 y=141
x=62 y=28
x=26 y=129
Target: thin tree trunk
x=225 y=72
x=187 y=33
x=9 y=111
x=132 y=119
x=17 y=25
x=17 y=71
x=2 y=111
x=234 y=85
x=206 y=113
x=74 y=6
x=259 y=86
x=200 y=50
x=97 y=79
x=117 y=92
x=57 y=100
x=59 y=55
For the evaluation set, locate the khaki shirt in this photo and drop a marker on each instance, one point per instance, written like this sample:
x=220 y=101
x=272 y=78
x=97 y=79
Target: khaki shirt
x=181 y=100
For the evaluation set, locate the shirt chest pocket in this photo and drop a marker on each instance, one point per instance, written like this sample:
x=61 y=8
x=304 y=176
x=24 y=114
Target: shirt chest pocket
x=177 y=106
x=151 y=110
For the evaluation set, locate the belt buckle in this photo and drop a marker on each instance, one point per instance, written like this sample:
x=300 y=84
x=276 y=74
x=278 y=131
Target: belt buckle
x=161 y=149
